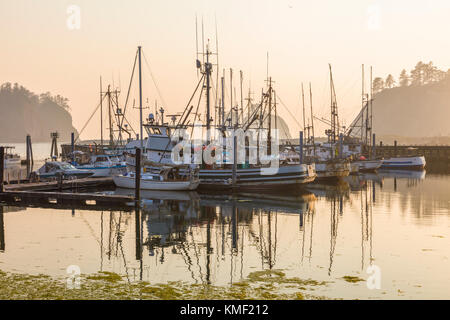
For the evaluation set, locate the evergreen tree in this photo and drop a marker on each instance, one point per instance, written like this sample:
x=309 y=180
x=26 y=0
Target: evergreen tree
x=404 y=79
x=378 y=85
x=390 y=82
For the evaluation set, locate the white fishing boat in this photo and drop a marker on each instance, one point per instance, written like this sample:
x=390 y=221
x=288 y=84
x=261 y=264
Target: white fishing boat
x=404 y=163
x=103 y=165
x=164 y=178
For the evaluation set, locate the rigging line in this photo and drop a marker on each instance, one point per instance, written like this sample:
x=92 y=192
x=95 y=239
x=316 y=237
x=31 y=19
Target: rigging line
x=90 y=118
x=129 y=87
x=154 y=81
x=290 y=113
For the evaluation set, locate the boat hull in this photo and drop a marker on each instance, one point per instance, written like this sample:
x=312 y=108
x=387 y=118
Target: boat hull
x=104 y=171
x=332 y=170
x=405 y=163
x=130 y=183
x=369 y=165
x=256 y=179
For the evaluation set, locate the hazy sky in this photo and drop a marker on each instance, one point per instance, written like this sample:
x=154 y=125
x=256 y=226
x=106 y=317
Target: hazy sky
x=42 y=53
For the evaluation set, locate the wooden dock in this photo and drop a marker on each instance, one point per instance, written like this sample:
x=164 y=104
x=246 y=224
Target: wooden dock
x=62 y=200
x=65 y=185
x=432 y=154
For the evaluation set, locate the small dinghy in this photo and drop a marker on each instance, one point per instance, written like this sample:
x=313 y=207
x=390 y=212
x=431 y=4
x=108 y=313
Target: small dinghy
x=163 y=178
x=368 y=165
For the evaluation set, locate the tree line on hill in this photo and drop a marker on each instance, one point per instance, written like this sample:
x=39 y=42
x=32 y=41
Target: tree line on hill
x=422 y=74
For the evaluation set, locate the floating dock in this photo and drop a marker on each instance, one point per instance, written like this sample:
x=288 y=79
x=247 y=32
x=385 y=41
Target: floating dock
x=63 y=200
x=64 y=185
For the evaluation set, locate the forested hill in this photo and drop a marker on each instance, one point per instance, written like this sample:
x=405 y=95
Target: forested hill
x=22 y=112
x=418 y=107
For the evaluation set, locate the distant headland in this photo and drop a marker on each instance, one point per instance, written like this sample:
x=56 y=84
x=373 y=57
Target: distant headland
x=23 y=112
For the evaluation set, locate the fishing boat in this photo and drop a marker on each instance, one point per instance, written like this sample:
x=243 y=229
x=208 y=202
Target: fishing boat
x=328 y=163
x=54 y=169
x=103 y=165
x=404 y=163
x=11 y=159
x=164 y=178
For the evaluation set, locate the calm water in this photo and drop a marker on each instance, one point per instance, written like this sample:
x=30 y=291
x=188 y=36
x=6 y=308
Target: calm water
x=399 y=222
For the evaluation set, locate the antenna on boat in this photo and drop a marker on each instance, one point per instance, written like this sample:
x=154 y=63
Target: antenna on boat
x=242 y=98
x=196 y=45
x=303 y=103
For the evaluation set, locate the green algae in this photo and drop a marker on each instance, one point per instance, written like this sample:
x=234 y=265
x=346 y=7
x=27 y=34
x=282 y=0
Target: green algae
x=352 y=279
x=264 y=285
x=106 y=276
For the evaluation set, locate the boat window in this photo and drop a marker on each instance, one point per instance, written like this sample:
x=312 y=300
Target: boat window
x=67 y=166
x=101 y=159
x=156 y=131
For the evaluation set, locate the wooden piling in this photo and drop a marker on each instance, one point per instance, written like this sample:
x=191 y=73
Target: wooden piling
x=301 y=147
x=72 y=145
x=29 y=160
x=137 y=175
x=374 y=155
x=2 y=230
x=2 y=167
x=234 y=161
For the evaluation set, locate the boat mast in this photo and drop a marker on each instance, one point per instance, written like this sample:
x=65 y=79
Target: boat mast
x=208 y=70
x=140 y=99
x=362 y=106
x=111 y=135
x=269 y=135
x=371 y=108
x=231 y=95
x=312 y=119
x=304 y=117
x=223 y=100
x=334 y=111
x=101 y=113
x=242 y=99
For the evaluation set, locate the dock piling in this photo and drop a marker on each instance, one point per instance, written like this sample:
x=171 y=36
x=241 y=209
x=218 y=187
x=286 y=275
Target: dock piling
x=234 y=161
x=29 y=160
x=72 y=145
x=301 y=147
x=374 y=145
x=2 y=167
x=2 y=231
x=137 y=175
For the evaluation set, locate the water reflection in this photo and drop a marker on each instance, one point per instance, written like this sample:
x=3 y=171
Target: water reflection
x=324 y=232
